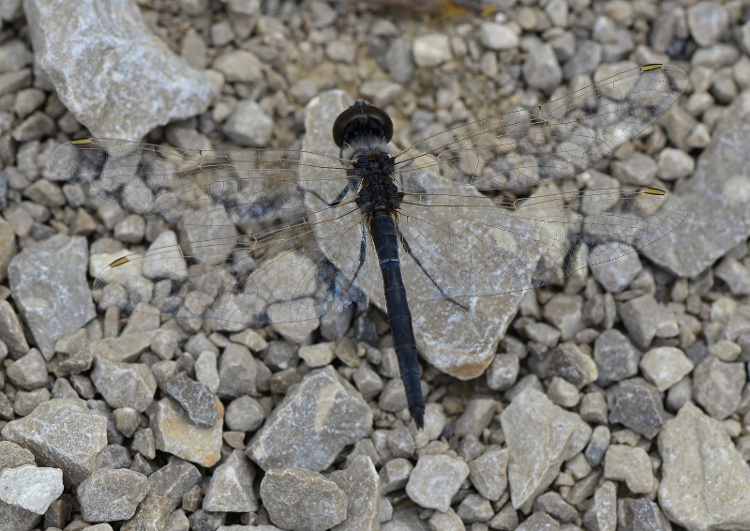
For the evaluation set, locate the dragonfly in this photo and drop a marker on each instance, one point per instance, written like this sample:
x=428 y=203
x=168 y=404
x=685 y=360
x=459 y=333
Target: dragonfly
x=290 y=235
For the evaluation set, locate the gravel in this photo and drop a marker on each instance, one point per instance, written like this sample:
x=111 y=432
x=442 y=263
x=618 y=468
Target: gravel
x=617 y=397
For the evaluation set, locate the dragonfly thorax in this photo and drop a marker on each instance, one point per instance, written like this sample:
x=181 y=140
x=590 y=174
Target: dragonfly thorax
x=377 y=190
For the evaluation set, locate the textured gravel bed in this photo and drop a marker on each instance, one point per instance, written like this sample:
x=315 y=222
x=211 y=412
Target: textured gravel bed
x=618 y=398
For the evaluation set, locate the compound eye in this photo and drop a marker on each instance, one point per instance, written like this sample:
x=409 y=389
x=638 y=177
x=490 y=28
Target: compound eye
x=358 y=111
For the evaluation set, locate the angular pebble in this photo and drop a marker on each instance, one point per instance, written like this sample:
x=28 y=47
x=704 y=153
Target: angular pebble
x=124 y=384
x=488 y=473
x=705 y=481
x=46 y=432
x=174 y=480
x=313 y=423
x=636 y=404
x=432 y=49
x=49 y=286
x=195 y=398
x=435 y=480
x=665 y=366
x=297 y=498
x=105 y=83
x=176 y=434
x=538 y=434
x=615 y=357
x=631 y=465
x=231 y=487
x=361 y=484
x=30 y=487
x=108 y=495
x=717 y=386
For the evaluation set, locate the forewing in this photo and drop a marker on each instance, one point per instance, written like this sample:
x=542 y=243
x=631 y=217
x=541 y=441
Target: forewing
x=552 y=141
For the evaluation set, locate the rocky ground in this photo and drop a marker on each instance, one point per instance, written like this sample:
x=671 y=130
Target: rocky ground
x=616 y=398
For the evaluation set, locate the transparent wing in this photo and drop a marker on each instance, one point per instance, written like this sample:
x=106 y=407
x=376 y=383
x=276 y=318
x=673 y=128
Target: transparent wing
x=292 y=243
x=555 y=140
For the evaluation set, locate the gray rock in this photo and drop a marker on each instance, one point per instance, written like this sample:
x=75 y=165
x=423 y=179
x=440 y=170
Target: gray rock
x=435 y=480
x=14 y=55
x=598 y=445
x=239 y=66
x=537 y=522
x=30 y=487
x=231 y=486
x=735 y=275
x=506 y=518
x=715 y=196
x=631 y=465
x=28 y=372
x=297 y=498
x=477 y=415
x=176 y=434
x=174 y=480
x=49 y=287
x=614 y=275
x=615 y=356
x=395 y=474
x=488 y=473
x=14 y=518
x=636 y=404
x=641 y=318
x=665 y=366
x=705 y=482
x=432 y=49
x=565 y=312
x=503 y=372
x=105 y=83
x=151 y=514
x=474 y=508
x=13 y=455
x=46 y=432
x=635 y=512
x=361 y=484
x=674 y=164
x=708 y=22
x=207 y=370
x=237 y=372
x=399 y=61
x=539 y=435
x=244 y=414
x=313 y=423
x=717 y=386
x=568 y=361
x=115 y=456
x=496 y=36
x=446 y=521
x=195 y=398
x=541 y=69
x=602 y=514
x=108 y=495
x=249 y=125
x=124 y=384
x=553 y=504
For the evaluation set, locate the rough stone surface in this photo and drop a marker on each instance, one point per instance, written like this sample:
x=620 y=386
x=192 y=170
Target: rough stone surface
x=312 y=424
x=176 y=434
x=49 y=287
x=31 y=488
x=46 y=432
x=636 y=404
x=124 y=384
x=361 y=484
x=108 y=495
x=435 y=480
x=231 y=487
x=705 y=481
x=539 y=436
x=105 y=82
x=195 y=398
x=298 y=498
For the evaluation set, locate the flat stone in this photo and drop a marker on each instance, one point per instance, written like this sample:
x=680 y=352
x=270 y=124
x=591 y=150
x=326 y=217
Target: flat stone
x=435 y=480
x=615 y=275
x=488 y=473
x=361 y=484
x=297 y=498
x=539 y=436
x=195 y=398
x=312 y=424
x=716 y=196
x=717 y=386
x=124 y=384
x=432 y=49
x=49 y=287
x=108 y=495
x=231 y=486
x=28 y=372
x=631 y=465
x=46 y=432
x=176 y=434
x=641 y=318
x=249 y=125
x=665 y=366
x=123 y=64
x=174 y=480
x=705 y=481
x=636 y=404
x=30 y=487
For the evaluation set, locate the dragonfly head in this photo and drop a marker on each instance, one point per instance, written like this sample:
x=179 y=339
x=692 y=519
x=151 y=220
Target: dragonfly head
x=362 y=123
